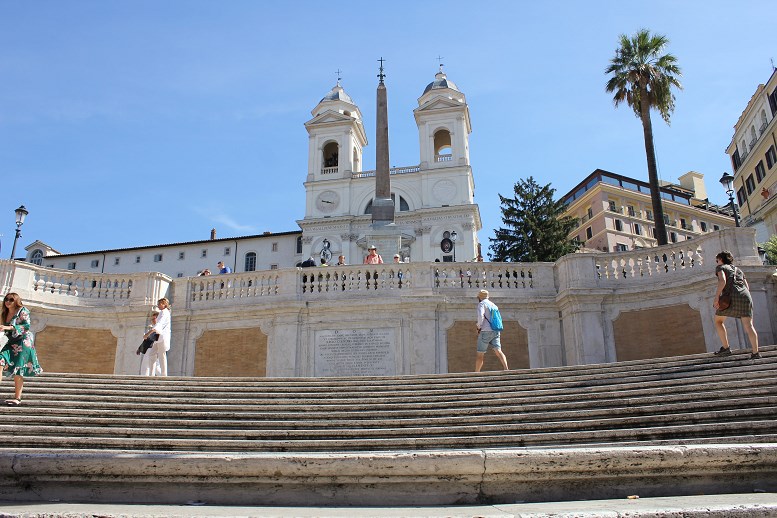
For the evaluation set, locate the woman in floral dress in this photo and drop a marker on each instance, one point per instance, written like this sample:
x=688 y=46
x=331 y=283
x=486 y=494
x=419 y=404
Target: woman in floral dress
x=17 y=358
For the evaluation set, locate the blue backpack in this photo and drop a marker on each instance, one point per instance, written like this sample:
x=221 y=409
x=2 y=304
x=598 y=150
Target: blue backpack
x=496 y=319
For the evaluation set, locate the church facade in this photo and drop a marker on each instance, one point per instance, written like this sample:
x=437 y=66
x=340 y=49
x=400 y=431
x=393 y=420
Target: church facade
x=434 y=201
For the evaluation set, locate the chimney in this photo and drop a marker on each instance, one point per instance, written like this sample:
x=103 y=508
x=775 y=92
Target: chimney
x=212 y=234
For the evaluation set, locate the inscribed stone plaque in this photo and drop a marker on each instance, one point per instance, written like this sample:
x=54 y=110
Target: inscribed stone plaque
x=355 y=352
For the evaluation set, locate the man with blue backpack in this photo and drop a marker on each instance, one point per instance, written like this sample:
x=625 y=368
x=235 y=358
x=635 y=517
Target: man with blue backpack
x=489 y=329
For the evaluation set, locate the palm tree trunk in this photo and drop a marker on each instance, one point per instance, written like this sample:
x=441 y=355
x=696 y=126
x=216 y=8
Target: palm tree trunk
x=655 y=191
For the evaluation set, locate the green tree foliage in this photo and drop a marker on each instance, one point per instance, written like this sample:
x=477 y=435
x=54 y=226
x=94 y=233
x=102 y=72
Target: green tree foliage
x=771 y=250
x=534 y=229
x=643 y=77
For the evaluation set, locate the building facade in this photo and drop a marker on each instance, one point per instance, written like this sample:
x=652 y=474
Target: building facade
x=433 y=200
x=753 y=152
x=615 y=212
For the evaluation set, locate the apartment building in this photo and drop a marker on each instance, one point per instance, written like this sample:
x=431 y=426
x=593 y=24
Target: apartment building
x=615 y=212
x=753 y=152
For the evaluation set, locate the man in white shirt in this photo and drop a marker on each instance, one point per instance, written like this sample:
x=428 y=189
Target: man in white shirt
x=487 y=337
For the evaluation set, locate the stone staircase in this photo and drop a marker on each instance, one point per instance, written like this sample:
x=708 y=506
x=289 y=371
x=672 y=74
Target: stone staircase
x=662 y=426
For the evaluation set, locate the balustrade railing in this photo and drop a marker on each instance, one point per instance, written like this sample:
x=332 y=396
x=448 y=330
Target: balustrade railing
x=443 y=158
x=650 y=262
x=61 y=286
x=496 y=276
x=520 y=281
x=393 y=170
x=329 y=170
x=245 y=286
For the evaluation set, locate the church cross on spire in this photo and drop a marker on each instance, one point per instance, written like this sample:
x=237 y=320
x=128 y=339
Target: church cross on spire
x=381 y=75
x=338 y=72
x=440 y=58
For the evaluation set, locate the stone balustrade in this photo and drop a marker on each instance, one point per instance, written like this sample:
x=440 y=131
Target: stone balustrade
x=71 y=287
x=387 y=280
x=577 y=310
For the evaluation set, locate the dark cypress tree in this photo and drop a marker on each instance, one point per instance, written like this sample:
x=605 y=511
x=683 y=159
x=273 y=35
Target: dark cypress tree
x=534 y=229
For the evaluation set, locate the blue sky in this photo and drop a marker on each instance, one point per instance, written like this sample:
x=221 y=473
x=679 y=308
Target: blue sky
x=134 y=122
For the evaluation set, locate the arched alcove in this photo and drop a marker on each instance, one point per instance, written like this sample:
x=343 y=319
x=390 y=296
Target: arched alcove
x=442 y=145
x=331 y=153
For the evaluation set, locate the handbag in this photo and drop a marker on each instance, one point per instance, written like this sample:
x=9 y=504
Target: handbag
x=148 y=343
x=724 y=301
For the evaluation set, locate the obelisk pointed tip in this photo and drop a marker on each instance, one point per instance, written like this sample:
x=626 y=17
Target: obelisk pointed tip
x=381 y=75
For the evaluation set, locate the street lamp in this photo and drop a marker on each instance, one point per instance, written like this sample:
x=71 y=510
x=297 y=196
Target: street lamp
x=21 y=213
x=727 y=181
x=454 y=237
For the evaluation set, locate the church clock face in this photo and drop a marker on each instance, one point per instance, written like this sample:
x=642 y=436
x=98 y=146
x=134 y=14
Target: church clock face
x=327 y=201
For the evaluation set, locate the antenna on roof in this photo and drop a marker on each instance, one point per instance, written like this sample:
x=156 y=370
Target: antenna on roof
x=773 y=67
x=338 y=76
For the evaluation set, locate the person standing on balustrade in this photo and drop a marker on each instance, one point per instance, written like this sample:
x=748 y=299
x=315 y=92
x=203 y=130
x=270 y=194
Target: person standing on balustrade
x=17 y=357
x=487 y=336
x=156 y=362
x=372 y=256
x=732 y=281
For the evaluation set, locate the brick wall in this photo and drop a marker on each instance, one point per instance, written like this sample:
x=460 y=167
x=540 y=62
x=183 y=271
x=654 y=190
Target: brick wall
x=82 y=351
x=462 y=345
x=231 y=352
x=658 y=332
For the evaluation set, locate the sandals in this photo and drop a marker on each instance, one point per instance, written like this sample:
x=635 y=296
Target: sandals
x=13 y=402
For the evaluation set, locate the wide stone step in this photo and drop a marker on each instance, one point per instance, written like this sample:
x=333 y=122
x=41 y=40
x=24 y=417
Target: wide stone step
x=210 y=420
x=695 y=365
x=705 y=388
x=447 y=441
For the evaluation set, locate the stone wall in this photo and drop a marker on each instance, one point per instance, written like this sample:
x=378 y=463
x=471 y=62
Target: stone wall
x=585 y=308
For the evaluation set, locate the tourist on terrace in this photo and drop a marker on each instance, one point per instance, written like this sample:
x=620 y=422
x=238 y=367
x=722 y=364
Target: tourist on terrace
x=17 y=357
x=341 y=261
x=397 y=258
x=147 y=343
x=372 y=256
x=731 y=280
x=222 y=268
x=156 y=361
x=487 y=337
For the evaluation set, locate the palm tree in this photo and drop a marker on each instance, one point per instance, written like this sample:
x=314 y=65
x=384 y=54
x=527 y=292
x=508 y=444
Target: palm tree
x=643 y=78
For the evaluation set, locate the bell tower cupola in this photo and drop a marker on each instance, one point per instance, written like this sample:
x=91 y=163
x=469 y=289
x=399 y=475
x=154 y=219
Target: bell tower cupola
x=336 y=137
x=443 y=123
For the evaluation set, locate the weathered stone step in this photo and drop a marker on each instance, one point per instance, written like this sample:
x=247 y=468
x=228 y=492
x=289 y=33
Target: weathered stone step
x=372 y=386
x=390 y=428
x=569 y=438
x=236 y=420
x=709 y=388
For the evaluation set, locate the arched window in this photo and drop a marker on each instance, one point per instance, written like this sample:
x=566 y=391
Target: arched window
x=37 y=257
x=402 y=207
x=299 y=244
x=331 y=152
x=442 y=146
x=250 y=265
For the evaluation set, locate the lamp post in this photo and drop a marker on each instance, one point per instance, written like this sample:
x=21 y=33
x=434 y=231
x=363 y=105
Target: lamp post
x=727 y=181
x=454 y=237
x=21 y=213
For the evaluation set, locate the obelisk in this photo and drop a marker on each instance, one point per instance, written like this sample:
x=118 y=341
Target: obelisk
x=382 y=205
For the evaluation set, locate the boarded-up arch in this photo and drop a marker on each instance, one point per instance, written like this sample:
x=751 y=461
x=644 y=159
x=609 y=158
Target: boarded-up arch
x=231 y=353
x=76 y=350
x=658 y=332
x=462 y=345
